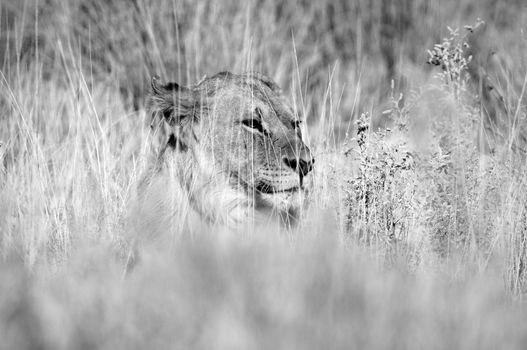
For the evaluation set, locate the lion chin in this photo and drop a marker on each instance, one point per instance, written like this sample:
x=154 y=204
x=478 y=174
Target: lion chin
x=280 y=207
x=286 y=206
x=282 y=201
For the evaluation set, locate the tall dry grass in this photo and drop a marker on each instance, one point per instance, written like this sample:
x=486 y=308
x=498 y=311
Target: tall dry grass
x=416 y=234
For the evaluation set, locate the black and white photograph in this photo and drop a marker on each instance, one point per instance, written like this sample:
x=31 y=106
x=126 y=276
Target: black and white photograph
x=263 y=174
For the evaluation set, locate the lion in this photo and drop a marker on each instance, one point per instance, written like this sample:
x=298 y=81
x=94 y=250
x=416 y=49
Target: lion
x=233 y=154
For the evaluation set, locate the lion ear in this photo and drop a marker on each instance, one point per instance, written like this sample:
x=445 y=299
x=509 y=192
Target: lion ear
x=172 y=103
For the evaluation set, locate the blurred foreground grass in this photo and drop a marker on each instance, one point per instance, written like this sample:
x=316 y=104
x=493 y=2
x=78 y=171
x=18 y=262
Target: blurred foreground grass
x=249 y=295
x=416 y=237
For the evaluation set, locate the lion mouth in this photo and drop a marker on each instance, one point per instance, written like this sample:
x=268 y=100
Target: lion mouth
x=268 y=189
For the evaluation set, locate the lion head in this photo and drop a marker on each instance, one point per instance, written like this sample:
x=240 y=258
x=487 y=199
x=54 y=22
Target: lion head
x=234 y=145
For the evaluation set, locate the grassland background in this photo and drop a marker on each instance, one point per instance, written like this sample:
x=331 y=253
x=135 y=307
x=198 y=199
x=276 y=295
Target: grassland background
x=427 y=253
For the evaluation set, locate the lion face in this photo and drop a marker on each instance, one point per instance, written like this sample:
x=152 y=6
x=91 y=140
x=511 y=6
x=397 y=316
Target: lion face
x=239 y=128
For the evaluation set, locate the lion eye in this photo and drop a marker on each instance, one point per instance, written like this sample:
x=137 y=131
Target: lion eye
x=254 y=124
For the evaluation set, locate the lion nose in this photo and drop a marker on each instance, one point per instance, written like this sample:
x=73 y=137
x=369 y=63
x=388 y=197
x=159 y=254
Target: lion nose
x=303 y=165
